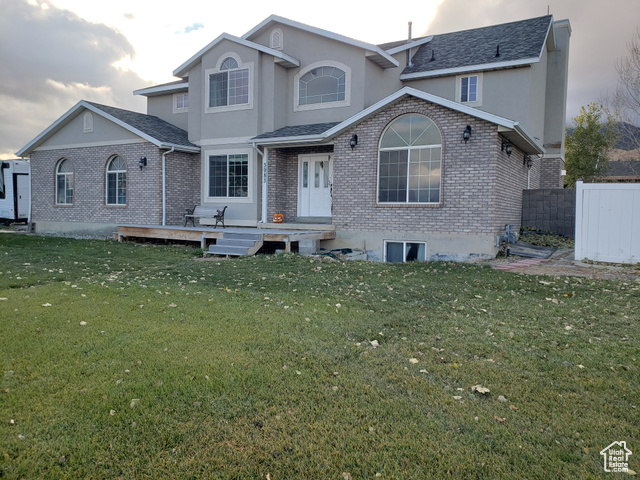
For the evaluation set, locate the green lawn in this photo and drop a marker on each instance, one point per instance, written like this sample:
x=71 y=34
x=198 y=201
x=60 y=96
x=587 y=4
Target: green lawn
x=139 y=361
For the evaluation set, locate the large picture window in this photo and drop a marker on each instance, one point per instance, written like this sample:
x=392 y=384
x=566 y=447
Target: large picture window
x=116 y=181
x=410 y=159
x=229 y=176
x=230 y=86
x=64 y=182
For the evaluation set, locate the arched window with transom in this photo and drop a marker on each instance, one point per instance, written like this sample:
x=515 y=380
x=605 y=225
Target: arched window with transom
x=64 y=182
x=229 y=86
x=322 y=85
x=410 y=161
x=116 y=181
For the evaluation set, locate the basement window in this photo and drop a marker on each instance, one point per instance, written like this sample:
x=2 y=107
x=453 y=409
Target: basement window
x=400 y=252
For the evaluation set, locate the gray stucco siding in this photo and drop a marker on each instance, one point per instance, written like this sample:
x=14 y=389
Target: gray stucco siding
x=103 y=131
x=162 y=106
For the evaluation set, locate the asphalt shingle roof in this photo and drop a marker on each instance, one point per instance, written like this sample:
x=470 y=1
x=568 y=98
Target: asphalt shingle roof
x=151 y=125
x=297 y=131
x=517 y=40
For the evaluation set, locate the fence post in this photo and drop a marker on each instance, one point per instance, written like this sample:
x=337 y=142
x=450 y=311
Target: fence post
x=577 y=253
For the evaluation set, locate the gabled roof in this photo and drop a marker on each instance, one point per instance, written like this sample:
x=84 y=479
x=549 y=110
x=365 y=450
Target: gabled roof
x=283 y=59
x=499 y=46
x=373 y=52
x=148 y=127
x=511 y=130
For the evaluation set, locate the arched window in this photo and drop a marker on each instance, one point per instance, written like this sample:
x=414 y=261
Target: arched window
x=64 y=182
x=410 y=160
x=116 y=181
x=276 y=39
x=88 y=122
x=322 y=85
x=230 y=86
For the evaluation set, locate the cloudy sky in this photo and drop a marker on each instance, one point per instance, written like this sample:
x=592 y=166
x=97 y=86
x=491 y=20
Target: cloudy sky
x=54 y=53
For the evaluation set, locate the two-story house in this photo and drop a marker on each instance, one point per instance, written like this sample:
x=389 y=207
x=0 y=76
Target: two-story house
x=415 y=149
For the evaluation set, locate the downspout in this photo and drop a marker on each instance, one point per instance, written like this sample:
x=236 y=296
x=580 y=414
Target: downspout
x=264 y=156
x=164 y=185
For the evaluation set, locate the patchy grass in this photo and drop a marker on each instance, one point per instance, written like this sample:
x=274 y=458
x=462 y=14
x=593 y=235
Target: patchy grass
x=124 y=360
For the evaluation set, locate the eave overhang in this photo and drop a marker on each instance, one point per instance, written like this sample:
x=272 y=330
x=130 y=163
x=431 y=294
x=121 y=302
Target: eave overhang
x=281 y=58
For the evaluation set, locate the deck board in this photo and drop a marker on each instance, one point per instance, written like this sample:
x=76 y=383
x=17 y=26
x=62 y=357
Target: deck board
x=204 y=233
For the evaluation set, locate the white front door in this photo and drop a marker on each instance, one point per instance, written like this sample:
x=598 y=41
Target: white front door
x=315 y=176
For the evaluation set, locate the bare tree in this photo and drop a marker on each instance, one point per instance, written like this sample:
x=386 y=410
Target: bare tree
x=626 y=100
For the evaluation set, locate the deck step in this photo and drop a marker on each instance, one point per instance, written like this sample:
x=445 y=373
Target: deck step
x=236 y=244
x=242 y=236
x=227 y=250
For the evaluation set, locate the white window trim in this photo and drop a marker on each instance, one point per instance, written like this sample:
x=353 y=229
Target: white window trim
x=478 y=102
x=250 y=182
x=87 y=122
x=212 y=71
x=318 y=106
x=404 y=249
x=175 y=103
x=273 y=45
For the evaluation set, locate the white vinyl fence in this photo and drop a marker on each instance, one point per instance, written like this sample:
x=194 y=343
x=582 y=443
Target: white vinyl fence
x=608 y=222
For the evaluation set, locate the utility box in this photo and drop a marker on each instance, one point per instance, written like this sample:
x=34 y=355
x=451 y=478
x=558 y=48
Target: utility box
x=15 y=191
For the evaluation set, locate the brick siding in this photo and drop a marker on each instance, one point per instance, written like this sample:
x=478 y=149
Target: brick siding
x=144 y=186
x=481 y=186
x=283 y=179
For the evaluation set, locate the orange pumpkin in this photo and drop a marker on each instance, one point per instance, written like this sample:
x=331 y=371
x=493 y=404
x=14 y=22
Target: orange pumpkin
x=278 y=218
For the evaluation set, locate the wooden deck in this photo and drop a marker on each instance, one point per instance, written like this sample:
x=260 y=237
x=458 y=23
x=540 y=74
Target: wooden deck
x=206 y=235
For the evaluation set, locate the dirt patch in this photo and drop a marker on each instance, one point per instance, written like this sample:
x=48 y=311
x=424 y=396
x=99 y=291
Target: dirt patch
x=561 y=263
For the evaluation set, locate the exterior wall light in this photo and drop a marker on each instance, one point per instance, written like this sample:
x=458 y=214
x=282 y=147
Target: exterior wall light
x=506 y=146
x=142 y=162
x=528 y=161
x=353 y=141
x=466 y=135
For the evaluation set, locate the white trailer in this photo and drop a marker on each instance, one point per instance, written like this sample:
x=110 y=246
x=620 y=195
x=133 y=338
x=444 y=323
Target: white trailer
x=15 y=191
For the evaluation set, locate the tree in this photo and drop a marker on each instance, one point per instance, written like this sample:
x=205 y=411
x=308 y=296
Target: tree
x=588 y=144
x=626 y=100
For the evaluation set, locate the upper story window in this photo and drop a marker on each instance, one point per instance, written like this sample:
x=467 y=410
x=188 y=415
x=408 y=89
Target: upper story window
x=87 y=122
x=469 y=89
x=410 y=158
x=180 y=102
x=116 y=181
x=323 y=85
x=229 y=85
x=64 y=182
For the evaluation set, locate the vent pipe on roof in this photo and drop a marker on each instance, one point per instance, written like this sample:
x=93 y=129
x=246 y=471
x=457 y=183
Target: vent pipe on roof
x=433 y=55
x=409 y=62
x=498 y=51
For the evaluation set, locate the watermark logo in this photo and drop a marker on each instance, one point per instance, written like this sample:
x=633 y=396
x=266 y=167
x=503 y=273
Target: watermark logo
x=616 y=457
